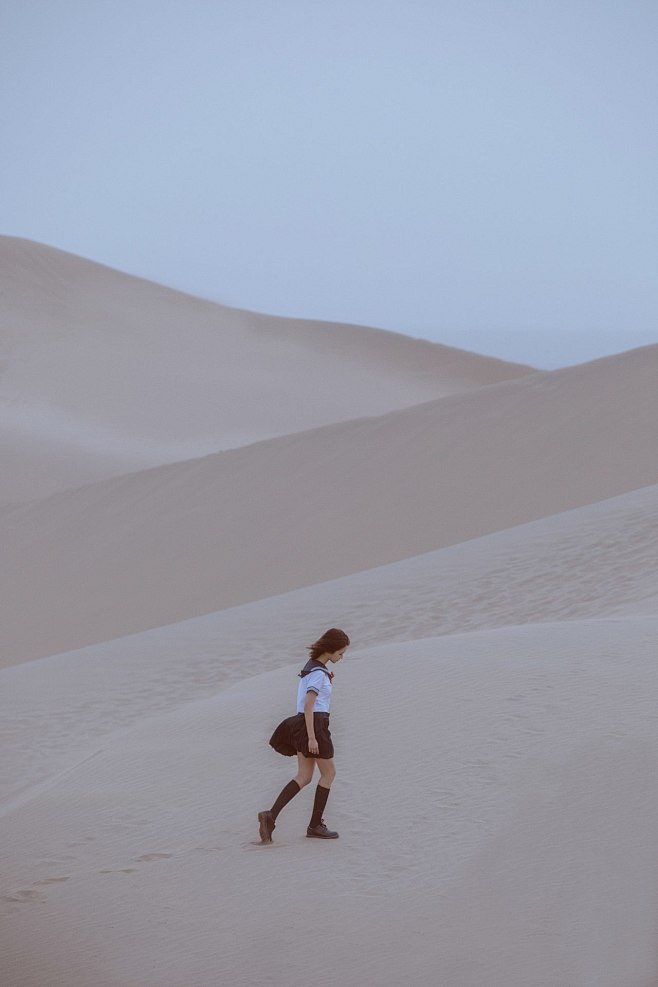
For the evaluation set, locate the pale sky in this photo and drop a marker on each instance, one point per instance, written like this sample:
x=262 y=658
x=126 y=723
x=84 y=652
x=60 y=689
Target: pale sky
x=482 y=173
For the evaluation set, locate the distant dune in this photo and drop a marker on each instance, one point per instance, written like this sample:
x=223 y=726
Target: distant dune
x=174 y=542
x=487 y=535
x=104 y=373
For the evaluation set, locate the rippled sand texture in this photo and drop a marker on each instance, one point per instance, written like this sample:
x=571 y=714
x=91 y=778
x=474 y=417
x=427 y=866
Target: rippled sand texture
x=186 y=507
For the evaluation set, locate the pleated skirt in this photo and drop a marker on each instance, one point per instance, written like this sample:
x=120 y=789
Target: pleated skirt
x=291 y=737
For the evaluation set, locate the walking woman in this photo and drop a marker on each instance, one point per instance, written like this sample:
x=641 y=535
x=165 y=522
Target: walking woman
x=307 y=735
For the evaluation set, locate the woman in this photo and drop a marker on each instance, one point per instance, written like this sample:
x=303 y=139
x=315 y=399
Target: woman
x=307 y=735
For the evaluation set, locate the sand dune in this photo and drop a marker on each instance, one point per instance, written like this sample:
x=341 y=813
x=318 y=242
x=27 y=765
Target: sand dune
x=487 y=536
x=106 y=373
x=507 y=840
x=596 y=561
x=162 y=545
x=36 y=464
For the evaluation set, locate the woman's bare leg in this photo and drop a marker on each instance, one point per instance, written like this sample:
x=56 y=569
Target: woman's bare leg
x=305 y=766
x=327 y=768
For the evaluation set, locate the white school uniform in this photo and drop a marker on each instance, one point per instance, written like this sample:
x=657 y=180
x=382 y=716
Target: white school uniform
x=318 y=682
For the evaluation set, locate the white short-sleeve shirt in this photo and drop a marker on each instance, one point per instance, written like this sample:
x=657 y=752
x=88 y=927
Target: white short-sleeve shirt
x=318 y=682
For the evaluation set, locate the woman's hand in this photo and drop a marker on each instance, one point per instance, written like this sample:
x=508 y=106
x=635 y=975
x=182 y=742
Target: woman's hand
x=313 y=746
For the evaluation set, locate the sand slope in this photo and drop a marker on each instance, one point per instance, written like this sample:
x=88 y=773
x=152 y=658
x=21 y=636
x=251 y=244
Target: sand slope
x=508 y=841
x=595 y=561
x=104 y=373
x=492 y=553
x=191 y=538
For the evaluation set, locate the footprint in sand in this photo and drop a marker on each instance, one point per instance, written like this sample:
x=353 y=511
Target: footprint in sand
x=23 y=897
x=259 y=843
x=81 y=842
x=144 y=859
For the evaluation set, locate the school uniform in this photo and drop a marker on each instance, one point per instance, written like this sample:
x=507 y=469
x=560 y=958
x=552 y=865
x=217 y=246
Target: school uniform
x=291 y=736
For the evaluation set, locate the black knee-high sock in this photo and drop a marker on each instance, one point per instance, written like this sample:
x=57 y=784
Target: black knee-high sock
x=319 y=803
x=287 y=793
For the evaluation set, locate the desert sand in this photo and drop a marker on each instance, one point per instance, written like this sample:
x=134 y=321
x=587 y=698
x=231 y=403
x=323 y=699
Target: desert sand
x=105 y=374
x=486 y=534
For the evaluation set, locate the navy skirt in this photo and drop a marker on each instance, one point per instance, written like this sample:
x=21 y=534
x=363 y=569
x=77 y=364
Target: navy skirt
x=291 y=737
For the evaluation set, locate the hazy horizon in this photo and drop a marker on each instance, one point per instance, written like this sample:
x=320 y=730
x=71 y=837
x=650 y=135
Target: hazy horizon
x=478 y=174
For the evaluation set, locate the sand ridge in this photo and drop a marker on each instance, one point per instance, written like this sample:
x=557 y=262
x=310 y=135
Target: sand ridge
x=105 y=373
x=177 y=541
x=486 y=535
x=593 y=562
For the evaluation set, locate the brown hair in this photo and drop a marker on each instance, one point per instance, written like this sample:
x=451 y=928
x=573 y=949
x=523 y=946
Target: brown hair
x=330 y=642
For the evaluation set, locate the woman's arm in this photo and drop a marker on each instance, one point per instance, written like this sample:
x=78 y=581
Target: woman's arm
x=309 y=704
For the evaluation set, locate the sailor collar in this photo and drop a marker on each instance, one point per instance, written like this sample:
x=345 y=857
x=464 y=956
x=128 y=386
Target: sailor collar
x=311 y=666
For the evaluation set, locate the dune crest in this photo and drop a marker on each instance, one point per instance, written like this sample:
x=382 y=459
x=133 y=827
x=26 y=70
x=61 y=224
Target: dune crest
x=105 y=373
x=593 y=562
x=486 y=535
x=178 y=541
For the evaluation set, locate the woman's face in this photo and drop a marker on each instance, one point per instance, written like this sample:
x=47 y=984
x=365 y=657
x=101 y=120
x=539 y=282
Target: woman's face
x=337 y=655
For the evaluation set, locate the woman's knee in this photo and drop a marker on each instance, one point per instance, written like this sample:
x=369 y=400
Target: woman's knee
x=303 y=779
x=327 y=772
